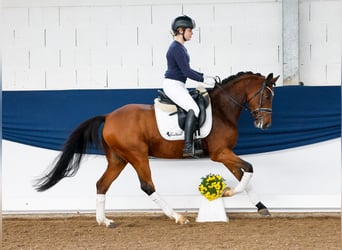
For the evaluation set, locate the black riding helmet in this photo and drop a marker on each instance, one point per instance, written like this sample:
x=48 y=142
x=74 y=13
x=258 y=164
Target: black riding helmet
x=182 y=22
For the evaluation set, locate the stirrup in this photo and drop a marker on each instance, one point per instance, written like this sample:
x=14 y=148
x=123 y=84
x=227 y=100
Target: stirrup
x=198 y=148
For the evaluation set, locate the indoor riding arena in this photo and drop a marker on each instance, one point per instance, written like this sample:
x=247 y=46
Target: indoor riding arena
x=81 y=73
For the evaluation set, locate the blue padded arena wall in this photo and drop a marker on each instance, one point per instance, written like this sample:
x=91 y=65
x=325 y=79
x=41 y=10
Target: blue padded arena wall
x=301 y=115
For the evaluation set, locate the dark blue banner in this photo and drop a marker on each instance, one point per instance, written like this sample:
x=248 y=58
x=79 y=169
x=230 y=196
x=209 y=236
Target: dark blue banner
x=301 y=115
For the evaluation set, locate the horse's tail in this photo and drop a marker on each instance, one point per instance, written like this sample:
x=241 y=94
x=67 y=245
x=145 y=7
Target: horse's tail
x=68 y=162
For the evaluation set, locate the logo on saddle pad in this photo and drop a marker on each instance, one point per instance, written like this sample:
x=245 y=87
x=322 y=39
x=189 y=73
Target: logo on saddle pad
x=171 y=119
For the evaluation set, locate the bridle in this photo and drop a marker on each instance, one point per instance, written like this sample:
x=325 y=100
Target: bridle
x=245 y=105
x=261 y=97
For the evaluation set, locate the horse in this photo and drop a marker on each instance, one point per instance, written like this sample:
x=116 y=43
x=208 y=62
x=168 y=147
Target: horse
x=130 y=135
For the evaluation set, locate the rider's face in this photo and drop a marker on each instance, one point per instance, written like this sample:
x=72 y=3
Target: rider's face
x=188 y=34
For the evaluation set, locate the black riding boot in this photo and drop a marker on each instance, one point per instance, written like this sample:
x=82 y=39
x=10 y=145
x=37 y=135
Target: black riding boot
x=189 y=129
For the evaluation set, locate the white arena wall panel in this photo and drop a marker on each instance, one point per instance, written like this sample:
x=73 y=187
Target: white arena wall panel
x=320 y=42
x=44 y=37
x=299 y=179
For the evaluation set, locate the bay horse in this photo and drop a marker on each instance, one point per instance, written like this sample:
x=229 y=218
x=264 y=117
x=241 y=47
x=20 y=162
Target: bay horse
x=130 y=135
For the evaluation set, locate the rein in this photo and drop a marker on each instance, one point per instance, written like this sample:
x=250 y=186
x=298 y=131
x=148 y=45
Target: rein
x=218 y=83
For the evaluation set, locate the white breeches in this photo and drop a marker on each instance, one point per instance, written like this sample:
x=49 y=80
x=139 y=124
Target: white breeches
x=177 y=92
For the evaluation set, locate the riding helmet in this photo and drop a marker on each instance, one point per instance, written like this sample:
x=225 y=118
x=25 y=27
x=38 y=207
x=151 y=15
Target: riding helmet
x=182 y=22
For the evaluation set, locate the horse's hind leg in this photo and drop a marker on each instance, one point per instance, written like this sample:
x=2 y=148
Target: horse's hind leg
x=114 y=168
x=142 y=167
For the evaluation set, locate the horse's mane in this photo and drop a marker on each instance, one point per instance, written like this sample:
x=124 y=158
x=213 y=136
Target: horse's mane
x=232 y=78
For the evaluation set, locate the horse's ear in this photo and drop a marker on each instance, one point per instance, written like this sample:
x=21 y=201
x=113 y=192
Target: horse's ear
x=275 y=79
x=269 y=77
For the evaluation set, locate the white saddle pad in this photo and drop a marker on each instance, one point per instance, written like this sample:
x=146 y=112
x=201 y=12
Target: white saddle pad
x=168 y=124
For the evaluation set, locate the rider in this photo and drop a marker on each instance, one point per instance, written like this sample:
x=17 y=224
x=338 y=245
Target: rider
x=178 y=70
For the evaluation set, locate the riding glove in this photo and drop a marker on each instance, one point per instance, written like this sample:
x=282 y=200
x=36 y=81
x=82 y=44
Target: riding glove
x=209 y=80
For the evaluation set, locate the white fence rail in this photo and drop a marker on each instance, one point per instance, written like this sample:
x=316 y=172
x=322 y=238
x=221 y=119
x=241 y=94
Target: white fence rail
x=300 y=179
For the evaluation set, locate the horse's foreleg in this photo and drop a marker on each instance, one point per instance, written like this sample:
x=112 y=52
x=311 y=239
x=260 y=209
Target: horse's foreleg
x=242 y=170
x=241 y=186
x=246 y=185
x=253 y=197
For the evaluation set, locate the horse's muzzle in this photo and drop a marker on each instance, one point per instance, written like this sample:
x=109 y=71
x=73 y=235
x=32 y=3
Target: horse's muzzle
x=262 y=118
x=261 y=124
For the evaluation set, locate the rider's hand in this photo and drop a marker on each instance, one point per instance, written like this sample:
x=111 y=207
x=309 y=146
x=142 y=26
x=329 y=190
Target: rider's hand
x=209 y=80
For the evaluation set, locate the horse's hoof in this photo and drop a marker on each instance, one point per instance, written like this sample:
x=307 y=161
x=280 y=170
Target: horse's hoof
x=107 y=223
x=264 y=212
x=182 y=221
x=227 y=192
x=111 y=225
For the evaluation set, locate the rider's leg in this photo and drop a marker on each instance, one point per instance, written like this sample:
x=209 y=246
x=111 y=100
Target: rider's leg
x=189 y=129
x=177 y=92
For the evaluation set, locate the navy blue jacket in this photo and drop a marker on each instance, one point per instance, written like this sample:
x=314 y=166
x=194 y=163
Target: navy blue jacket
x=178 y=64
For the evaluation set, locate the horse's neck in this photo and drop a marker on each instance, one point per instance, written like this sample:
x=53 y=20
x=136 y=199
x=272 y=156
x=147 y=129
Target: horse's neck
x=227 y=103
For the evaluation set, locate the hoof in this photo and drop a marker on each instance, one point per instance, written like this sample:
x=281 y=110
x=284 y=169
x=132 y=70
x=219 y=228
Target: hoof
x=111 y=225
x=106 y=222
x=182 y=221
x=264 y=212
x=227 y=192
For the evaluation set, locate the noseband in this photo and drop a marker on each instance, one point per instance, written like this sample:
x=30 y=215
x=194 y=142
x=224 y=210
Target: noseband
x=261 y=95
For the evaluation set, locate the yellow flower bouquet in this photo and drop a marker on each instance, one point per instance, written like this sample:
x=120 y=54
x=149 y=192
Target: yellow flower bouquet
x=212 y=186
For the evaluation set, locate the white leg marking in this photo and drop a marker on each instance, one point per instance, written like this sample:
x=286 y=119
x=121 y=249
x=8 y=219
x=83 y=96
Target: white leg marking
x=100 y=211
x=165 y=207
x=243 y=183
x=252 y=195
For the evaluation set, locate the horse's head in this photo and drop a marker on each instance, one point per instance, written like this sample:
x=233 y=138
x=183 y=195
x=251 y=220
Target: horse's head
x=259 y=99
x=246 y=90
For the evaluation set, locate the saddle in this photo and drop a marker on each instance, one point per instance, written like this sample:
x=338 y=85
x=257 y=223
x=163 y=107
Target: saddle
x=200 y=96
